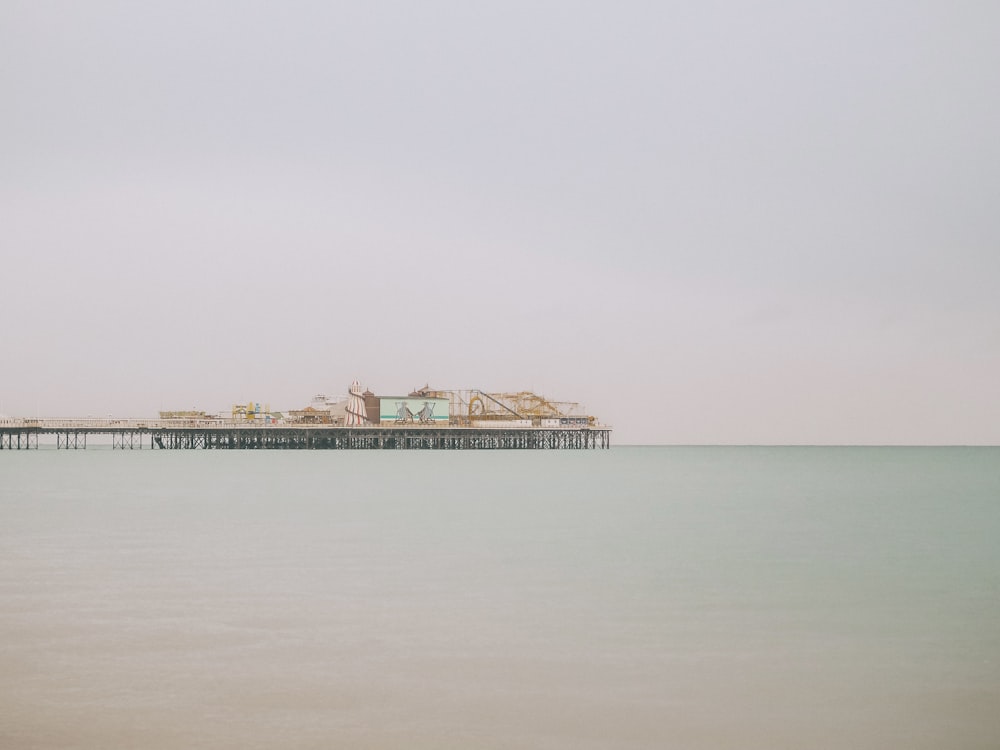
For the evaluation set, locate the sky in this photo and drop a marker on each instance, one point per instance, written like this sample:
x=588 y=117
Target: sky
x=712 y=222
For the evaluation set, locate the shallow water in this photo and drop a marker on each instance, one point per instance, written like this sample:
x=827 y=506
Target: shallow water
x=631 y=598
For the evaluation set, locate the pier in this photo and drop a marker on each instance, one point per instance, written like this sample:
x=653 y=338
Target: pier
x=219 y=435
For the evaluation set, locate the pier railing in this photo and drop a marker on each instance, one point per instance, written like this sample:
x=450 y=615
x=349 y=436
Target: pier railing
x=219 y=433
x=96 y=424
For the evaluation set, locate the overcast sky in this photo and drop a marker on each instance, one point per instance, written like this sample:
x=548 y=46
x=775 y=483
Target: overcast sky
x=710 y=222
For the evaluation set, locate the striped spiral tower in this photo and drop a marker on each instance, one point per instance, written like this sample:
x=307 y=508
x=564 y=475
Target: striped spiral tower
x=356 y=414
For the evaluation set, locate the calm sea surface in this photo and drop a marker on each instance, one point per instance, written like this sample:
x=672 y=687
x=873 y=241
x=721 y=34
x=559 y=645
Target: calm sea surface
x=687 y=598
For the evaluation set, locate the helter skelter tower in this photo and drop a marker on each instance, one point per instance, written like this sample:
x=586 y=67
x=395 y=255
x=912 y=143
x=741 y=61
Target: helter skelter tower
x=356 y=414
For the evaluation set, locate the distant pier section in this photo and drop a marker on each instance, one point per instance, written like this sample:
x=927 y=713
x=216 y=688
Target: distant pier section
x=425 y=419
x=213 y=434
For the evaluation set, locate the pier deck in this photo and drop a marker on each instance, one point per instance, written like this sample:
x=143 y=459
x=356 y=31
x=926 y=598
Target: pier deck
x=160 y=435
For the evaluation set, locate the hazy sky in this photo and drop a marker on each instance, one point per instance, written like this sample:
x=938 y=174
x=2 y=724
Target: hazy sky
x=710 y=222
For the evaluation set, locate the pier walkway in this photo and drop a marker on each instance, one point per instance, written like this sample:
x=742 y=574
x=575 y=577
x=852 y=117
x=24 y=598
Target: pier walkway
x=218 y=434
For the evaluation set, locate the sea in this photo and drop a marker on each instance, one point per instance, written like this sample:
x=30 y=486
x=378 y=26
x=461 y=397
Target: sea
x=697 y=598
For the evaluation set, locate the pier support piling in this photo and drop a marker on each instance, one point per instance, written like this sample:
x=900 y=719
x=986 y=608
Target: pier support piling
x=211 y=437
